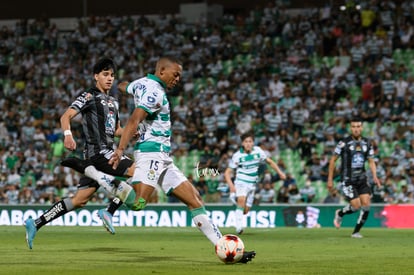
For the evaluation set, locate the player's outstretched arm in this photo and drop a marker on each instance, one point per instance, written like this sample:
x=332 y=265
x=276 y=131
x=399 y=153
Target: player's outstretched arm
x=276 y=168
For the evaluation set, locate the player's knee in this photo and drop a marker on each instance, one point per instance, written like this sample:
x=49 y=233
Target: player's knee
x=366 y=208
x=355 y=208
x=79 y=203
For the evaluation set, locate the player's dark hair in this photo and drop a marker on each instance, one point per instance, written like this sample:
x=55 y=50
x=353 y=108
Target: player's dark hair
x=356 y=119
x=246 y=135
x=164 y=60
x=172 y=59
x=104 y=64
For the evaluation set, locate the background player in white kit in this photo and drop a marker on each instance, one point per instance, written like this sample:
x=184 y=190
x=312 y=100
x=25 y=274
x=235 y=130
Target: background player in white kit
x=246 y=162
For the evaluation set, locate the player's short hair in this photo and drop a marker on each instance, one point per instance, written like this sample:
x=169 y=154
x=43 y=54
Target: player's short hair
x=356 y=119
x=166 y=60
x=246 y=135
x=172 y=59
x=104 y=64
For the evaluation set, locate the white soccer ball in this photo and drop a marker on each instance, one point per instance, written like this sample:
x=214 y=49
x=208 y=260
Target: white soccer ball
x=230 y=249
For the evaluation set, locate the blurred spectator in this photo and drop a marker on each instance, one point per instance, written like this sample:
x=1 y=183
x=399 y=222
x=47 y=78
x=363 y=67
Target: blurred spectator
x=404 y=196
x=201 y=186
x=266 y=194
x=11 y=194
x=293 y=82
x=314 y=169
x=283 y=191
x=305 y=147
x=332 y=197
x=206 y=157
x=11 y=159
x=293 y=194
x=308 y=192
x=213 y=194
x=369 y=111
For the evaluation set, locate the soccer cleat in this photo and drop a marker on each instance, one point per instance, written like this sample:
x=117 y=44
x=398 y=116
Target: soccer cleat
x=356 y=235
x=31 y=231
x=239 y=231
x=247 y=257
x=337 y=220
x=106 y=218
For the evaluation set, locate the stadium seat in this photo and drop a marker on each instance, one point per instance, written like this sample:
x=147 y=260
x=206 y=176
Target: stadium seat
x=355 y=92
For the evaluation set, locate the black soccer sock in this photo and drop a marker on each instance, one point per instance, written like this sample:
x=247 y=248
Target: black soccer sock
x=58 y=209
x=114 y=205
x=348 y=209
x=361 y=220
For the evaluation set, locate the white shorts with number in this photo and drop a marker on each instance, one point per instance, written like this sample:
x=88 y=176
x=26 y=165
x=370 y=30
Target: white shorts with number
x=245 y=190
x=157 y=169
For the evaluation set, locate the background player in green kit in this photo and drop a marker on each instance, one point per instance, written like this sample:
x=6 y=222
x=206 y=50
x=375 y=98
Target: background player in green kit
x=246 y=162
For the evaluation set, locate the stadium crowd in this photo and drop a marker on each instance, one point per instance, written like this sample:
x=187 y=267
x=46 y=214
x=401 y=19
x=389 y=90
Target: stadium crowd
x=292 y=79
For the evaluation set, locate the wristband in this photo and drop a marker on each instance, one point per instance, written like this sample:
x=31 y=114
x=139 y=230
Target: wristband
x=67 y=133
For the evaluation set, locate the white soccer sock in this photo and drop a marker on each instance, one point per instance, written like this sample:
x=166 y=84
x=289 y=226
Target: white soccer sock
x=205 y=225
x=239 y=218
x=107 y=182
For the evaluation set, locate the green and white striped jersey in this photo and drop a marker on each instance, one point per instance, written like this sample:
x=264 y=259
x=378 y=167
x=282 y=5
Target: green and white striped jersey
x=247 y=165
x=155 y=131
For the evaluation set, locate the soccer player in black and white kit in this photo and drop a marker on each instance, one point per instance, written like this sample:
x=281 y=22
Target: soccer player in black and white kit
x=354 y=151
x=100 y=123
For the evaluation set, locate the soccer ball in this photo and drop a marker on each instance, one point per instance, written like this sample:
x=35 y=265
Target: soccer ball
x=230 y=249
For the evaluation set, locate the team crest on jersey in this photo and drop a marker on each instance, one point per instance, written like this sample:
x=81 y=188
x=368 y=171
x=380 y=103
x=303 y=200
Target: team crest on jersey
x=151 y=175
x=88 y=96
x=357 y=160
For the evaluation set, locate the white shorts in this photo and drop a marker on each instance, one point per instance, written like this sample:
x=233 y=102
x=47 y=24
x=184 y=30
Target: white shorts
x=246 y=190
x=157 y=169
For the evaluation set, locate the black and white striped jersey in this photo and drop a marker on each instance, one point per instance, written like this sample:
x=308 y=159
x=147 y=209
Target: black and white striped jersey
x=100 y=115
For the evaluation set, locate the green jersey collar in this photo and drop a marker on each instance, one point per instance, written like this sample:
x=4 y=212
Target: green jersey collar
x=156 y=78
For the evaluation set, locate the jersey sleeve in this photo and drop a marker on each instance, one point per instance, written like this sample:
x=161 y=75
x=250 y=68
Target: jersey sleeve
x=132 y=87
x=371 y=151
x=145 y=97
x=151 y=101
x=339 y=147
x=233 y=161
x=135 y=88
x=82 y=101
x=263 y=155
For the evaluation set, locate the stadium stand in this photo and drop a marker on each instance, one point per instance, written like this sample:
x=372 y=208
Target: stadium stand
x=41 y=65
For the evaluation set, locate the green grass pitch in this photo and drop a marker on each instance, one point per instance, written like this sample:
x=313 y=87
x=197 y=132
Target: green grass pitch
x=91 y=250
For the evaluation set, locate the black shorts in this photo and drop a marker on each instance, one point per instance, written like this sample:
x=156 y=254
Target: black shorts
x=101 y=163
x=352 y=190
